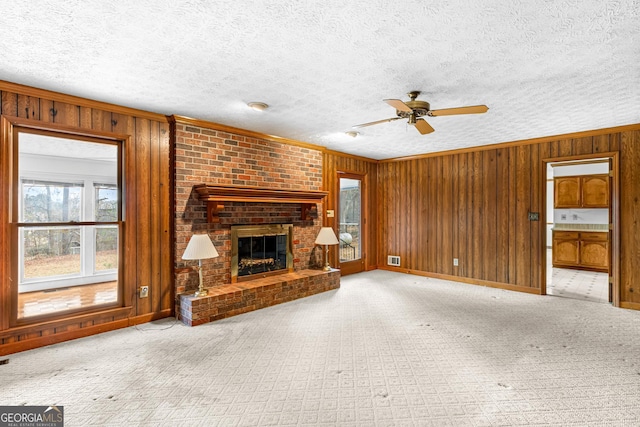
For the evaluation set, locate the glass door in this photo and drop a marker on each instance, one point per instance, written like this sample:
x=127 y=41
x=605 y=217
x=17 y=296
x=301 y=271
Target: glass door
x=350 y=230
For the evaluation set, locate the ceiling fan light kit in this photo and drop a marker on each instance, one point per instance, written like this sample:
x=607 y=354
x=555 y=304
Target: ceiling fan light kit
x=414 y=110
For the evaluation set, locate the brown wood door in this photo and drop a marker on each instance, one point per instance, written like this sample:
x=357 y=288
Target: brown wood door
x=350 y=226
x=595 y=191
x=567 y=192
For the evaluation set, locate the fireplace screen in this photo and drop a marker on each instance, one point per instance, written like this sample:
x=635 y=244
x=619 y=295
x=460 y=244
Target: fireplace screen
x=260 y=250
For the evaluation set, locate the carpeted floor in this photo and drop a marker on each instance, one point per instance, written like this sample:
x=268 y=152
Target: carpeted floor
x=387 y=349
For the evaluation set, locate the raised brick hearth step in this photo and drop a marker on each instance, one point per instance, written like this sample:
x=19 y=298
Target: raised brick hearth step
x=237 y=298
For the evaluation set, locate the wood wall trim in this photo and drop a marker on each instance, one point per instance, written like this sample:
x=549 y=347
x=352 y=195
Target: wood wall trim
x=42 y=341
x=466 y=280
x=51 y=324
x=630 y=305
x=244 y=132
x=76 y=100
x=544 y=139
x=53 y=127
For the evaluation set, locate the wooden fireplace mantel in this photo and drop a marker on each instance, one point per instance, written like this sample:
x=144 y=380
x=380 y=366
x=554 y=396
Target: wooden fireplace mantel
x=216 y=195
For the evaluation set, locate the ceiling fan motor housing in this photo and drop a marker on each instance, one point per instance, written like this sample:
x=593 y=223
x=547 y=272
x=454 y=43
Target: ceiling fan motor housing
x=418 y=108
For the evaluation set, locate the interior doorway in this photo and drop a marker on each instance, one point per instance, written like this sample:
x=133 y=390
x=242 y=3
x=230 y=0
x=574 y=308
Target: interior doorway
x=580 y=235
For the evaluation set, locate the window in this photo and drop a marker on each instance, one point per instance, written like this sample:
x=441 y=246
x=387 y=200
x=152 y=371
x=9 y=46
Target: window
x=68 y=212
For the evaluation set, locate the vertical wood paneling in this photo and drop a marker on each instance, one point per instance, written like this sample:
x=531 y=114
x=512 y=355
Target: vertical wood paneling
x=9 y=104
x=502 y=215
x=477 y=268
x=523 y=234
x=28 y=107
x=601 y=143
x=143 y=209
x=432 y=215
x=66 y=114
x=582 y=145
x=476 y=204
x=166 y=198
x=155 y=230
x=513 y=194
x=463 y=230
x=439 y=214
x=536 y=205
x=489 y=209
x=455 y=189
x=446 y=215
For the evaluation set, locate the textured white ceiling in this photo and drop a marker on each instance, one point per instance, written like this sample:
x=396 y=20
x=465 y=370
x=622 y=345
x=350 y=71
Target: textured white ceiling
x=543 y=67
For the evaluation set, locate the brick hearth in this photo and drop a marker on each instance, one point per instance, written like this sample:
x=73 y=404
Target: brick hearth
x=237 y=298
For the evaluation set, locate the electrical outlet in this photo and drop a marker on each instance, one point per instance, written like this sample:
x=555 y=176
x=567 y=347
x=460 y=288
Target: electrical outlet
x=455 y=262
x=563 y=217
x=575 y=217
x=144 y=291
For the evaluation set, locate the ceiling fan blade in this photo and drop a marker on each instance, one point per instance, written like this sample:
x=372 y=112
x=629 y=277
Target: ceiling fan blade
x=398 y=105
x=423 y=127
x=475 y=109
x=376 y=122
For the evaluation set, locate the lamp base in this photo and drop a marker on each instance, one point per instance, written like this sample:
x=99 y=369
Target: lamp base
x=201 y=293
x=326 y=267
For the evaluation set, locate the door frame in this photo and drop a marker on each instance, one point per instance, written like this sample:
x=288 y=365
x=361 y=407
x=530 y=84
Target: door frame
x=355 y=266
x=614 y=219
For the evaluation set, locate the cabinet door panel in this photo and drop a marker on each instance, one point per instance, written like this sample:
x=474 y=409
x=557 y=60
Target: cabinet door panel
x=567 y=192
x=594 y=254
x=565 y=252
x=595 y=191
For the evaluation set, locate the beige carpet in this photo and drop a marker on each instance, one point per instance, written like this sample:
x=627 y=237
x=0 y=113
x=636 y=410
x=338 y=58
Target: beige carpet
x=387 y=349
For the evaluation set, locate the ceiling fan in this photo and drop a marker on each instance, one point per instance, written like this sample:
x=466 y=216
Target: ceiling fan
x=414 y=110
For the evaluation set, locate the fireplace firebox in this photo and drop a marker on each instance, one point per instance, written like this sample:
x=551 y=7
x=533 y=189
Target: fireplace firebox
x=261 y=250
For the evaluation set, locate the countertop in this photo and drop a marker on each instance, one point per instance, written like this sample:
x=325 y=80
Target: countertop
x=581 y=227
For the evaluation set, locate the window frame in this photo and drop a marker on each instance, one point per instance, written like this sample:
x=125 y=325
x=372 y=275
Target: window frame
x=11 y=185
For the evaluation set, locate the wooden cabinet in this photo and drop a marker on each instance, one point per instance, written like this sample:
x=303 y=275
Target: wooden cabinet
x=595 y=191
x=567 y=192
x=585 y=191
x=566 y=248
x=583 y=250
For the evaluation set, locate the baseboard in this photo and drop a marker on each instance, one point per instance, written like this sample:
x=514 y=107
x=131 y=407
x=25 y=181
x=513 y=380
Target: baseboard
x=29 y=344
x=488 y=283
x=42 y=341
x=630 y=305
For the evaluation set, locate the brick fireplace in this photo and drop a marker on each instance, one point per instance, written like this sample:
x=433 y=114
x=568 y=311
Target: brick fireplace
x=205 y=154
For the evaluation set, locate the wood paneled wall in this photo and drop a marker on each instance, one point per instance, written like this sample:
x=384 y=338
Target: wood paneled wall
x=333 y=164
x=474 y=205
x=147 y=197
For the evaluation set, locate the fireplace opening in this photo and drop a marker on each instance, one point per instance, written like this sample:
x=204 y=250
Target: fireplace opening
x=260 y=250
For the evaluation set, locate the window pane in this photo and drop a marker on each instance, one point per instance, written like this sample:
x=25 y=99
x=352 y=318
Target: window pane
x=106 y=203
x=106 y=248
x=51 y=252
x=44 y=201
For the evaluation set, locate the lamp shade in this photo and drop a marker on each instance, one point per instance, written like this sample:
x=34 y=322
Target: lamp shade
x=326 y=236
x=200 y=247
